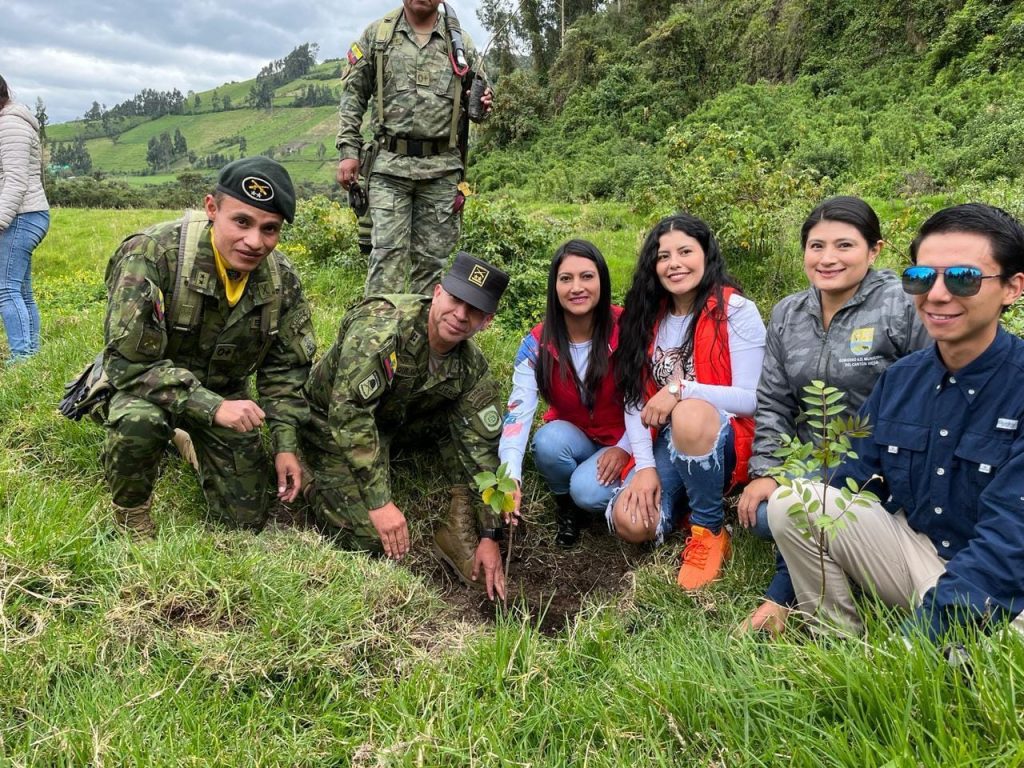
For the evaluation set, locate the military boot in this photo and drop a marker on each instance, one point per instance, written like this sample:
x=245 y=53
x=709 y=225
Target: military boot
x=456 y=540
x=134 y=520
x=182 y=440
x=569 y=519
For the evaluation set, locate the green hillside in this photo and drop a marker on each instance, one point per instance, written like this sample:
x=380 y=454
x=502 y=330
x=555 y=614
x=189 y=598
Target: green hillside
x=291 y=134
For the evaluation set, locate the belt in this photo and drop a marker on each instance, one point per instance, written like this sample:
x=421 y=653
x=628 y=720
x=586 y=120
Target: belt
x=414 y=147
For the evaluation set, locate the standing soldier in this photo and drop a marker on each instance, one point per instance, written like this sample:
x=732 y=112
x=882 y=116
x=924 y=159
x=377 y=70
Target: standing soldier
x=416 y=66
x=196 y=306
x=404 y=373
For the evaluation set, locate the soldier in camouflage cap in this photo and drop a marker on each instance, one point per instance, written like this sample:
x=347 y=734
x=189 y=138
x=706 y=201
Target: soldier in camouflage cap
x=196 y=306
x=403 y=68
x=403 y=372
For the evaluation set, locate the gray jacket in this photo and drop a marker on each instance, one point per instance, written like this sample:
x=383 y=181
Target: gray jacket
x=21 y=183
x=872 y=330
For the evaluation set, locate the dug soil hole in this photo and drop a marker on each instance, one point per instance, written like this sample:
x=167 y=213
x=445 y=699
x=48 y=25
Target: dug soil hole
x=545 y=585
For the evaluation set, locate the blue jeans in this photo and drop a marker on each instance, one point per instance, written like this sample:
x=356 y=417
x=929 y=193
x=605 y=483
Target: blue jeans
x=696 y=483
x=780 y=590
x=17 y=306
x=567 y=460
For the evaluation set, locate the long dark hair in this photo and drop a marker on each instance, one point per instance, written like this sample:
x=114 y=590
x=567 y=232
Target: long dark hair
x=647 y=299
x=848 y=210
x=555 y=335
x=5 y=93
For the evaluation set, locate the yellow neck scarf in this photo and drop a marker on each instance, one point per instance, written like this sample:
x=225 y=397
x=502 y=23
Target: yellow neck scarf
x=233 y=288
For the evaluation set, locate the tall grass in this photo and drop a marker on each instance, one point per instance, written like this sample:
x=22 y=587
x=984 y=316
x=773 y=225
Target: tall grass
x=214 y=647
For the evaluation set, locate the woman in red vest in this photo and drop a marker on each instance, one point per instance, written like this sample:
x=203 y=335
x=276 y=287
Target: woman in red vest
x=690 y=353
x=568 y=360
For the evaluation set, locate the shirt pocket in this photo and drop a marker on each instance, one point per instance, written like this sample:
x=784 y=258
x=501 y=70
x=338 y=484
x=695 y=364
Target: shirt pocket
x=442 y=82
x=899 y=444
x=399 y=73
x=981 y=456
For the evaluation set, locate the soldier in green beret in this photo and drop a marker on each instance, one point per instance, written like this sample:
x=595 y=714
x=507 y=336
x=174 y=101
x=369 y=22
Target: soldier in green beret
x=403 y=372
x=195 y=307
x=413 y=68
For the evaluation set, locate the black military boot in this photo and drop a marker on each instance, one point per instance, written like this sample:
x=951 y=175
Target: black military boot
x=569 y=519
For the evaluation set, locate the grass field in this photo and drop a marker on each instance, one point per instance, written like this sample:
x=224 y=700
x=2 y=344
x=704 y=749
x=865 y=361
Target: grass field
x=213 y=647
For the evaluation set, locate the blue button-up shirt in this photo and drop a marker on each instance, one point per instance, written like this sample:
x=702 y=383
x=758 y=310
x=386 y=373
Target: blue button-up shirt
x=950 y=448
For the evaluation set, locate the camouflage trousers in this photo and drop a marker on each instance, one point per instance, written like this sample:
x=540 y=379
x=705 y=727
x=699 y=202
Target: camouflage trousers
x=414 y=232
x=334 y=493
x=234 y=470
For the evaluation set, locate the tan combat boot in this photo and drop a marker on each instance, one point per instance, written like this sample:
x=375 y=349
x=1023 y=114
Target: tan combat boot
x=134 y=520
x=182 y=440
x=456 y=540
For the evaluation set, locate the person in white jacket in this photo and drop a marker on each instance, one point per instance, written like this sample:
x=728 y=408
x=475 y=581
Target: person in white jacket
x=24 y=221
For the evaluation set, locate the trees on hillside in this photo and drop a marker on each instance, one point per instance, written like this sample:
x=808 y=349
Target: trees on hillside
x=72 y=157
x=163 y=150
x=539 y=25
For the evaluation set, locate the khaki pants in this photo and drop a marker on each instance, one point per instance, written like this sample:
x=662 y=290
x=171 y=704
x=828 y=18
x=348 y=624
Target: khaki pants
x=877 y=550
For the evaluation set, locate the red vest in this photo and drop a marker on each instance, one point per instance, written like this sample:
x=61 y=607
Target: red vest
x=605 y=423
x=712 y=365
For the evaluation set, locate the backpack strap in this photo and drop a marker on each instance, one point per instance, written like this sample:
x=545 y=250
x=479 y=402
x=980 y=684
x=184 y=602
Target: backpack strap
x=186 y=304
x=385 y=31
x=452 y=28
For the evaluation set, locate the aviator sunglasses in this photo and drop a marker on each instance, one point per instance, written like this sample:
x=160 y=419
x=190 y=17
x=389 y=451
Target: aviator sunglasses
x=960 y=281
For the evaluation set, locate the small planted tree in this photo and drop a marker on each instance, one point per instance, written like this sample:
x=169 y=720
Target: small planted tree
x=817 y=461
x=497 y=489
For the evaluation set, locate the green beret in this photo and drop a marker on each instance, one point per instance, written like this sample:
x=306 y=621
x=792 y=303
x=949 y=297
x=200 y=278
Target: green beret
x=476 y=282
x=260 y=182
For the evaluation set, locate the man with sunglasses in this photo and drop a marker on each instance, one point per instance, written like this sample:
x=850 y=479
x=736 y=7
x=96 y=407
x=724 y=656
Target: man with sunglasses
x=946 y=453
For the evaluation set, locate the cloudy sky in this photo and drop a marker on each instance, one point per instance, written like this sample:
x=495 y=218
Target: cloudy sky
x=71 y=53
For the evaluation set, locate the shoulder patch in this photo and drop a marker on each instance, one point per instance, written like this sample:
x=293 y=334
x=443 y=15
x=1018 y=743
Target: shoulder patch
x=489 y=417
x=355 y=53
x=371 y=385
x=389 y=359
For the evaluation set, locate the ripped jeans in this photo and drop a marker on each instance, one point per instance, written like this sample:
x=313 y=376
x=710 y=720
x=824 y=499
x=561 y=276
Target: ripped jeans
x=691 y=483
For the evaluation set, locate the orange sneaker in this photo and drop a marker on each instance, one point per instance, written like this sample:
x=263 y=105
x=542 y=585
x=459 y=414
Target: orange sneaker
x=703 y=556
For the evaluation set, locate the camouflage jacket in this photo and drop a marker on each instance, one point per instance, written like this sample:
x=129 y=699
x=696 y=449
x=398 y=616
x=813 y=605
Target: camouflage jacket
x=375 y=380
x=419 y=93
x=192 y=372
x=872 y=330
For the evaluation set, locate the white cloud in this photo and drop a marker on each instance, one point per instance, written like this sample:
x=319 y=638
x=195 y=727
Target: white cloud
x=71 y=53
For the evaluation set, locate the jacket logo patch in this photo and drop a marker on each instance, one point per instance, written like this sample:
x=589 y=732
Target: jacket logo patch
x=355 y=53
x=370 y=386
x=861 y=340
x=257 y=189
x=489 y=417
x=1007 y=424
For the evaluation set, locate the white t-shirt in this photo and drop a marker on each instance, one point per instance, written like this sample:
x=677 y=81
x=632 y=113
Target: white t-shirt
x=746 y=353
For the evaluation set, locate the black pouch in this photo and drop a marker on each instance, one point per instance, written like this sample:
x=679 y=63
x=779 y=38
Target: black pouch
x=85 y=393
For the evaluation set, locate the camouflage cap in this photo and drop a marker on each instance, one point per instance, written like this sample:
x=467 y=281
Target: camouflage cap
x=476 y=282
x=260 y=182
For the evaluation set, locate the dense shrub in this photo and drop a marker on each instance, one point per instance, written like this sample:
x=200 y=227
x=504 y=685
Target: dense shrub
x=500 y=233
x=326 y=233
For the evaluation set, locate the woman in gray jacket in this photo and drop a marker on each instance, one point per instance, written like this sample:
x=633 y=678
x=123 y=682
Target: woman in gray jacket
x=24 y=220
x=850 y=325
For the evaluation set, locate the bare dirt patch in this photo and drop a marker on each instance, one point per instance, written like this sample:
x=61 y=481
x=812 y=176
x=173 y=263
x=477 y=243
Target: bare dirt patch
x=545 y=585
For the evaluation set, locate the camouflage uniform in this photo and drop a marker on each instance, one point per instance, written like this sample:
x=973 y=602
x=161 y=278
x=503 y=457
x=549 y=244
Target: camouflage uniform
x=411 y=197
x=166 y=378
x=374 y=391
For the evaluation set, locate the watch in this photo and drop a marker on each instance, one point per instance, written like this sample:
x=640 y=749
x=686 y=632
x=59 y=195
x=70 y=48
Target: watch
x=496 y=534
x=675 y=388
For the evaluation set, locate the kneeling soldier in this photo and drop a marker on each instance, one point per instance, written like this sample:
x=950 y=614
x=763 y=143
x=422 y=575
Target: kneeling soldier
x=196 y=306
x=403 y=372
